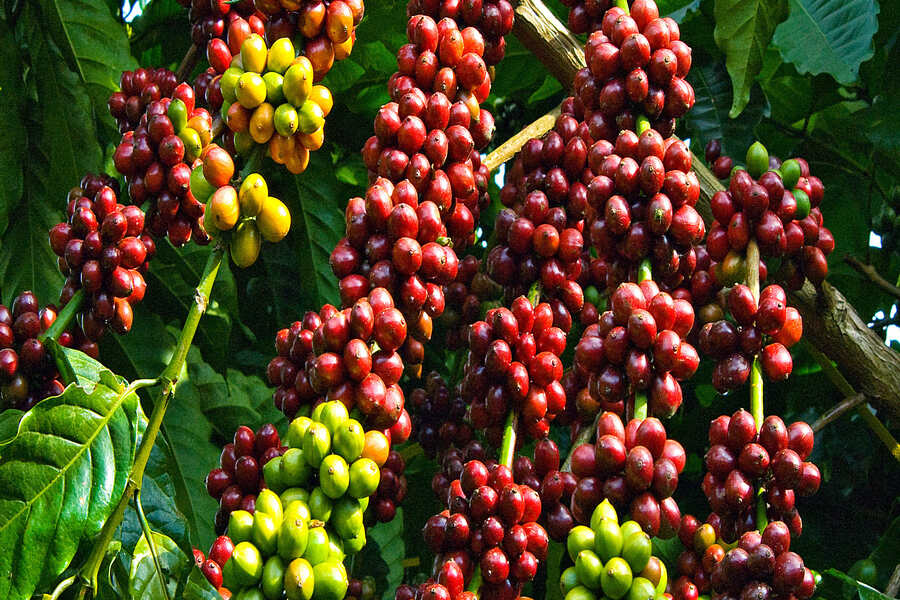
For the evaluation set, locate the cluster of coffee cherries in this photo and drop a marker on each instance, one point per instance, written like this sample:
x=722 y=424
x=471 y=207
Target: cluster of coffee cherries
x=636 y=65
x=740 y=460
x=766 y=329
x=138 y=89
x=216 y=19
x=492 y=521
x=27 y=372
x=398 y=244
x=245 y=216
x=642 y=199
x=586 y=16
x=326 y=28
x=760 y=565
x=463 y=298
x=611 y=560
x=639 y=347
x=779 y=208
x=224 y=34
x=103 y=250
x=213 y=562
x=514 y=363
x=493 y=18
x=438 y=416
x=269 y=99
x=634 y=466
x=349 y=355
x=537 y=243
x=392 y=488
x=156 y=161
x=239 y=477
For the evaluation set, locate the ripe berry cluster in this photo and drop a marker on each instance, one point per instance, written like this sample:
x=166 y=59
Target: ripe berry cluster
x=740 y=460
x=636 y=65
x=212 y=564
x=638 y=347
x=395 y=243
x=27 y=371
x=633 y=466
x=491 y=520
x=642 y=199
x=437 y=416
x=493 y=18
x=332 y=355
x=463 y=298
x=767 y=329
x=779 y=208
x=327 y=28
x=239 y=477
x=155 y=159
x=102 y=249
x=514 y=364
x=216 y=19
x=139 y=88
x=761 y=565
x=392 y=488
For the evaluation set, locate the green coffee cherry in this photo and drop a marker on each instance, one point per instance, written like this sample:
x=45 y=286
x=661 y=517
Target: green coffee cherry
x=589 y=569
x=349 y=440
x=757 y=160
x=616 y=578
x=240 y=526
x=273 y=578
x=248 y=564
x=364 y=478
x=298 y=427
x=268 y=502
x=299 y=581
x=316 y=444
x=580 y=538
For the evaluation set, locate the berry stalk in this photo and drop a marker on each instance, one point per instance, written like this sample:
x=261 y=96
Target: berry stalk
x=757 y=406
x=64 y=318
x=508 y=448
x=168 y=378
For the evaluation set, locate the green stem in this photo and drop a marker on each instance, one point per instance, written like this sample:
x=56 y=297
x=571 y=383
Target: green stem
x=62 y=587
x=64 y=318
x=168 y=378
x=534 y=293
x=756 y=393
x=508 y=447
x=623 y=4
x=640 y=405
x=151 y=543
x=643 y=124
x=475 y=582
x=583 y=437
x=645 y=271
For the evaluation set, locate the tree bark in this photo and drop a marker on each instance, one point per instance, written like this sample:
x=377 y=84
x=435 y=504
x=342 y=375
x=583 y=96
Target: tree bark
x=829 y=321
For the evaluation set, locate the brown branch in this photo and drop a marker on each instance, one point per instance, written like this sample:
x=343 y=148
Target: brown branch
x=830 y=322
x=188 y=63
x=893 y=585
x=870 y=273
x=511 y=147
x=836 y=411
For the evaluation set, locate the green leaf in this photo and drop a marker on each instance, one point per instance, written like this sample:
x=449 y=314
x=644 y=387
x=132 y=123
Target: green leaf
x=9 y=425
x=198 y=588
x=743 y=31
x=386 y=549
x=91 y=39
x=829 y=36
x=59 y=481
x=709 y=118
x=549 y=87
x=864 y=591
x=143 y=580
x=12 y=101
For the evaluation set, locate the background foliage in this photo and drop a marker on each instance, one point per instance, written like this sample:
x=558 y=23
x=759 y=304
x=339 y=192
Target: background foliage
x=811 y=77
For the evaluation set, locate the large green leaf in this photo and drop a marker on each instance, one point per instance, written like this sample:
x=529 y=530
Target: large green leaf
x=60 y=478
x=383 y=555
x=829 y=36
x=743 y=31
x=709 y=119
x=91 y=39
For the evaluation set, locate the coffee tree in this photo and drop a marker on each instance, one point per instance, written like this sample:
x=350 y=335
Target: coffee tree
x=563 y=322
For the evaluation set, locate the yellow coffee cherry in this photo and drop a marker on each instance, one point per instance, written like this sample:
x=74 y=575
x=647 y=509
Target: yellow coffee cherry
x=274 y=220
x=262 y=124
x=254 y=53
x=321 y=95
x=253 y=194
x=298 y=81
x=223 y=208
x=245 y=244
x=281 y=55
x=250 y=90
